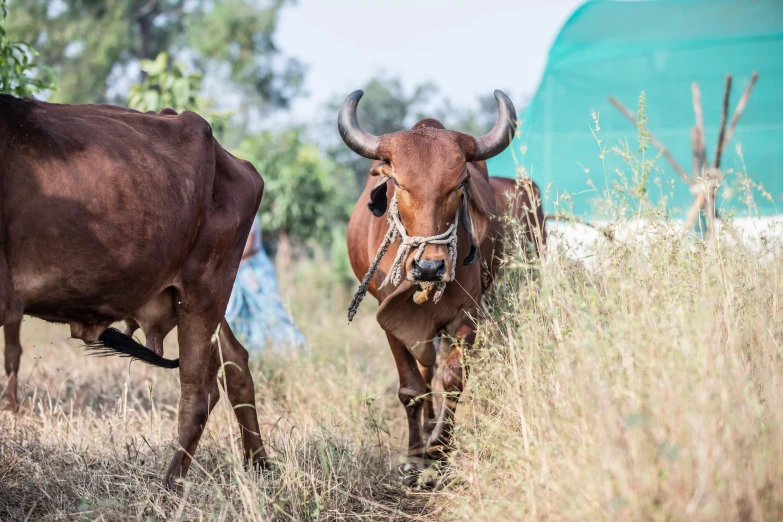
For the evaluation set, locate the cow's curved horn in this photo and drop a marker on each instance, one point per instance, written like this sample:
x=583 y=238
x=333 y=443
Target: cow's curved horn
x=496 y=140
x=358 y=140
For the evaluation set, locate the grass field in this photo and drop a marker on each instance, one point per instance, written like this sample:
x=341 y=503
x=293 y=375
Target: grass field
x=646 y=387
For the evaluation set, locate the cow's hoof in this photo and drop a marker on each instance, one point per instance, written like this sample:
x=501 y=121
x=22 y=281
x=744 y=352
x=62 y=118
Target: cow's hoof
x=436 y=454
x=260 y=463
x=261 y=466
x=410 y=475
x=173 y=484
x=10 y=403
x=415 y=477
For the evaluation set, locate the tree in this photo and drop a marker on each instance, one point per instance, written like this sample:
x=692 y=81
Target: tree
x=17 y=67
x=168 y=85
x=305 y=196
x=98 y=43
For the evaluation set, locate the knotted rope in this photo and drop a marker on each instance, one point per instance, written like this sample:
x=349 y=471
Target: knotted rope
x=397 y=230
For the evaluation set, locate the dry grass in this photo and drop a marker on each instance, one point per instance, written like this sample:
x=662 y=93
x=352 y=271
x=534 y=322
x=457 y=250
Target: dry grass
x=94 y=436
x=647 y=387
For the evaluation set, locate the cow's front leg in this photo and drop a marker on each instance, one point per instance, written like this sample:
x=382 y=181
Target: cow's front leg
x=453 y=376
x=411 y=393
x=13 y=356
x=428 y=419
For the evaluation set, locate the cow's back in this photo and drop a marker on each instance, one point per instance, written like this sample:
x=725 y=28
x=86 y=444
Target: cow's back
x=103 y=206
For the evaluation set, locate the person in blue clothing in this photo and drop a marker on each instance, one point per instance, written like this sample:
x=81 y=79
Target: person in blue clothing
x=255 y=311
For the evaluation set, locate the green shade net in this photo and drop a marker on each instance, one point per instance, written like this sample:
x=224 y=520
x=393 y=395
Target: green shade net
x=621 y=48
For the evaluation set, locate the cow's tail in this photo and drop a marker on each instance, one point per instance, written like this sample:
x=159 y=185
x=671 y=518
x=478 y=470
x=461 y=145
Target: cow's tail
x=114 y=342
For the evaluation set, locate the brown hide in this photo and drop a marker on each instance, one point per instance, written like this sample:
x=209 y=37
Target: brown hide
x=415 y=324
x=398 y=314
x=103 y=210
x=435 y=176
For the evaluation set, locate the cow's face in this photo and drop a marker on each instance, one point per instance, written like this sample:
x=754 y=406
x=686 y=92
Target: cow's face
x=429 y=169
x=428 y=166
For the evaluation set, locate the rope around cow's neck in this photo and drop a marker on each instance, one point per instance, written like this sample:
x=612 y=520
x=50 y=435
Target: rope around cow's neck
x=397 y=230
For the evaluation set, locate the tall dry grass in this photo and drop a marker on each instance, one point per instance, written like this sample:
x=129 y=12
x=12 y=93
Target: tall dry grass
x=641 y=383
x=645 y=386
x=94 y=436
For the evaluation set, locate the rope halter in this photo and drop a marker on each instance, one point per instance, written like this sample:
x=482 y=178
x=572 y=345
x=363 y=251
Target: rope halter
x=397 y=231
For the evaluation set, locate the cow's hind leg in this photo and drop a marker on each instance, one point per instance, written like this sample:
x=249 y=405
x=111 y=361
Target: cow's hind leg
x=453 y=376
x=131 y=326
x=198 y=373
x=411 y=393
x=13 y=355
x=241 y=394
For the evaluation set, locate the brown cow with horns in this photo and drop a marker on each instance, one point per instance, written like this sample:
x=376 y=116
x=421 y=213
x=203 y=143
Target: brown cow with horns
x=109 y=214
x=442 y=213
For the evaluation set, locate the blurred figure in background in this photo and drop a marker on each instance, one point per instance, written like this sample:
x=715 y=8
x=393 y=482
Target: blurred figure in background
x=255 y=310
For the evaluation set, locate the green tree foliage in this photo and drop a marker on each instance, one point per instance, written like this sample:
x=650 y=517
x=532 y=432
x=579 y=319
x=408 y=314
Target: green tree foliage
x=167 y=84
x=305 y=196
x=18 y=70
x=96 y=43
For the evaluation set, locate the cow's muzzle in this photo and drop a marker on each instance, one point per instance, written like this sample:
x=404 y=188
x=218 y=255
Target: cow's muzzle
x=427 y=270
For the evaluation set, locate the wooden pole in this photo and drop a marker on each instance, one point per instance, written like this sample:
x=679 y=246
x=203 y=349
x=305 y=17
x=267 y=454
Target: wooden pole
x=698 y=141
x=714 y=173
x=693 y=213
x=704 y=198
x=740 y=107
x=724 y=116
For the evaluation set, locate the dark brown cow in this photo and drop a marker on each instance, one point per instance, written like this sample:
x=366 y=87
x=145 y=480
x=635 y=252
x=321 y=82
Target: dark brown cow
x=106 y=211
x=436 y=178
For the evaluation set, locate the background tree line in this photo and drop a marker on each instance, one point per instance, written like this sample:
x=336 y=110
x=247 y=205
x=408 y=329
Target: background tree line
x=218 y=58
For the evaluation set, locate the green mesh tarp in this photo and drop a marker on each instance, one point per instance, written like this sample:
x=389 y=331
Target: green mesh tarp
x=621 y=48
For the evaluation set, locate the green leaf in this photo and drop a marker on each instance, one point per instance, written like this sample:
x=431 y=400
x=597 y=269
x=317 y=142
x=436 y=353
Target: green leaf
x=150 y=101
x=181 y=91
x=158 y=65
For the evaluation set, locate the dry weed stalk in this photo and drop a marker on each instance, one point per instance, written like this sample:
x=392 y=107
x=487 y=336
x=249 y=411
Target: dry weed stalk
x=704 y=180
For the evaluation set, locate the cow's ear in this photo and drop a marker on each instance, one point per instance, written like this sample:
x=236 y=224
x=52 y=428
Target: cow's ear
x=467 y=224
x=378 y=201
x=383 y=168
x=475 y=221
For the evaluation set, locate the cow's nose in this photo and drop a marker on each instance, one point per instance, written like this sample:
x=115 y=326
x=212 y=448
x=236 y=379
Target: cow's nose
x=426 y=270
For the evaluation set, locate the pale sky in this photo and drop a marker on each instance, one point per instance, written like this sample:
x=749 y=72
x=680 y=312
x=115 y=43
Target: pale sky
x=465 y=47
